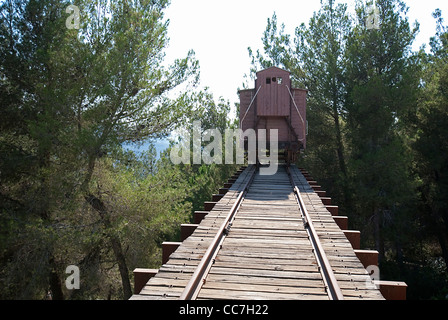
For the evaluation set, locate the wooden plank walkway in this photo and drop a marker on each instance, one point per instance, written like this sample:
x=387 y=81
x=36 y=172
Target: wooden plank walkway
x=267 y=253
x=353 y=278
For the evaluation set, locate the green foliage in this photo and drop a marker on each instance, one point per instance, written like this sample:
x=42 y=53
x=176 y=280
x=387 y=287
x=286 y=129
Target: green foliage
x=70 y=98
x=275 y=45
x=204 y=179
x=430 y=140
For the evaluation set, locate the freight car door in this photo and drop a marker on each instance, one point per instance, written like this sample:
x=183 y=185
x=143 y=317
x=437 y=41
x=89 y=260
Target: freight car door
x=273 y=99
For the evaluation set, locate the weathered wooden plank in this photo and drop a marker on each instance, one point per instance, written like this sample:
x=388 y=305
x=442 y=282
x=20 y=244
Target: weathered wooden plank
x=250 y=279
x=236 y=231
x=266 y=273
x=152 y=297
x=162 y=290
x=268 y=253
x=260 y=288
x=278 y=243
x=266 y=262
x=309 y=267
x=248 y=295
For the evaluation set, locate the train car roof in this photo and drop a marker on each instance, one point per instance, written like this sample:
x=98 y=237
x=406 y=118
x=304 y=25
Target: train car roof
x=272 y=69
x=276 y=68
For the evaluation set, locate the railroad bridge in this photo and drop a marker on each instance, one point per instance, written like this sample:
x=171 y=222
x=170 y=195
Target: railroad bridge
x=267 y=237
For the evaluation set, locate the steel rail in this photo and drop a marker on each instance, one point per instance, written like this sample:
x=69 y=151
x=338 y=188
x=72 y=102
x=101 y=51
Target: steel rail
x=333 y=290
x=196 y=281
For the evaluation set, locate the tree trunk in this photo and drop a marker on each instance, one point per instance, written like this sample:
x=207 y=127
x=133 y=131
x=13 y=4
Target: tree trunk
x=443 y=245
x=99 y=206
x=339 y=144
x=341 y=161
x=55 y=282
x=122 y=266
x=442 y=231
x=379 y=242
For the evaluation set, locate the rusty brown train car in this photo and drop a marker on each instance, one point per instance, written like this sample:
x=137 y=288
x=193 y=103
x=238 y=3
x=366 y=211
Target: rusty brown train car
x=273 y=104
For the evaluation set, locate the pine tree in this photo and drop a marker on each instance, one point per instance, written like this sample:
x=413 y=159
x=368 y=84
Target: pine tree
x=432 y=136
x=381 y=89
x=319 y=50
x=70 y=98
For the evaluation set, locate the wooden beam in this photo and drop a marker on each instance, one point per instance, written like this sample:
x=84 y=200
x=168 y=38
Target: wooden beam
x=199 y=215
x=186 y=229
x=341 y=221
x=209 y=205
x=367 y=257
x=141 y=277
x=321 y=193
x=392 y=290
x=217 y=197
x=167 y=249
x=334 y=210
x=354 y=237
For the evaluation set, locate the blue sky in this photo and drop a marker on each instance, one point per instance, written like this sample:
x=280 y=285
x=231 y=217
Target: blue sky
x=221 y=31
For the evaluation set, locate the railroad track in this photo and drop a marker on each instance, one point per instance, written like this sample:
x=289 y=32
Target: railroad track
x=269 y=237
